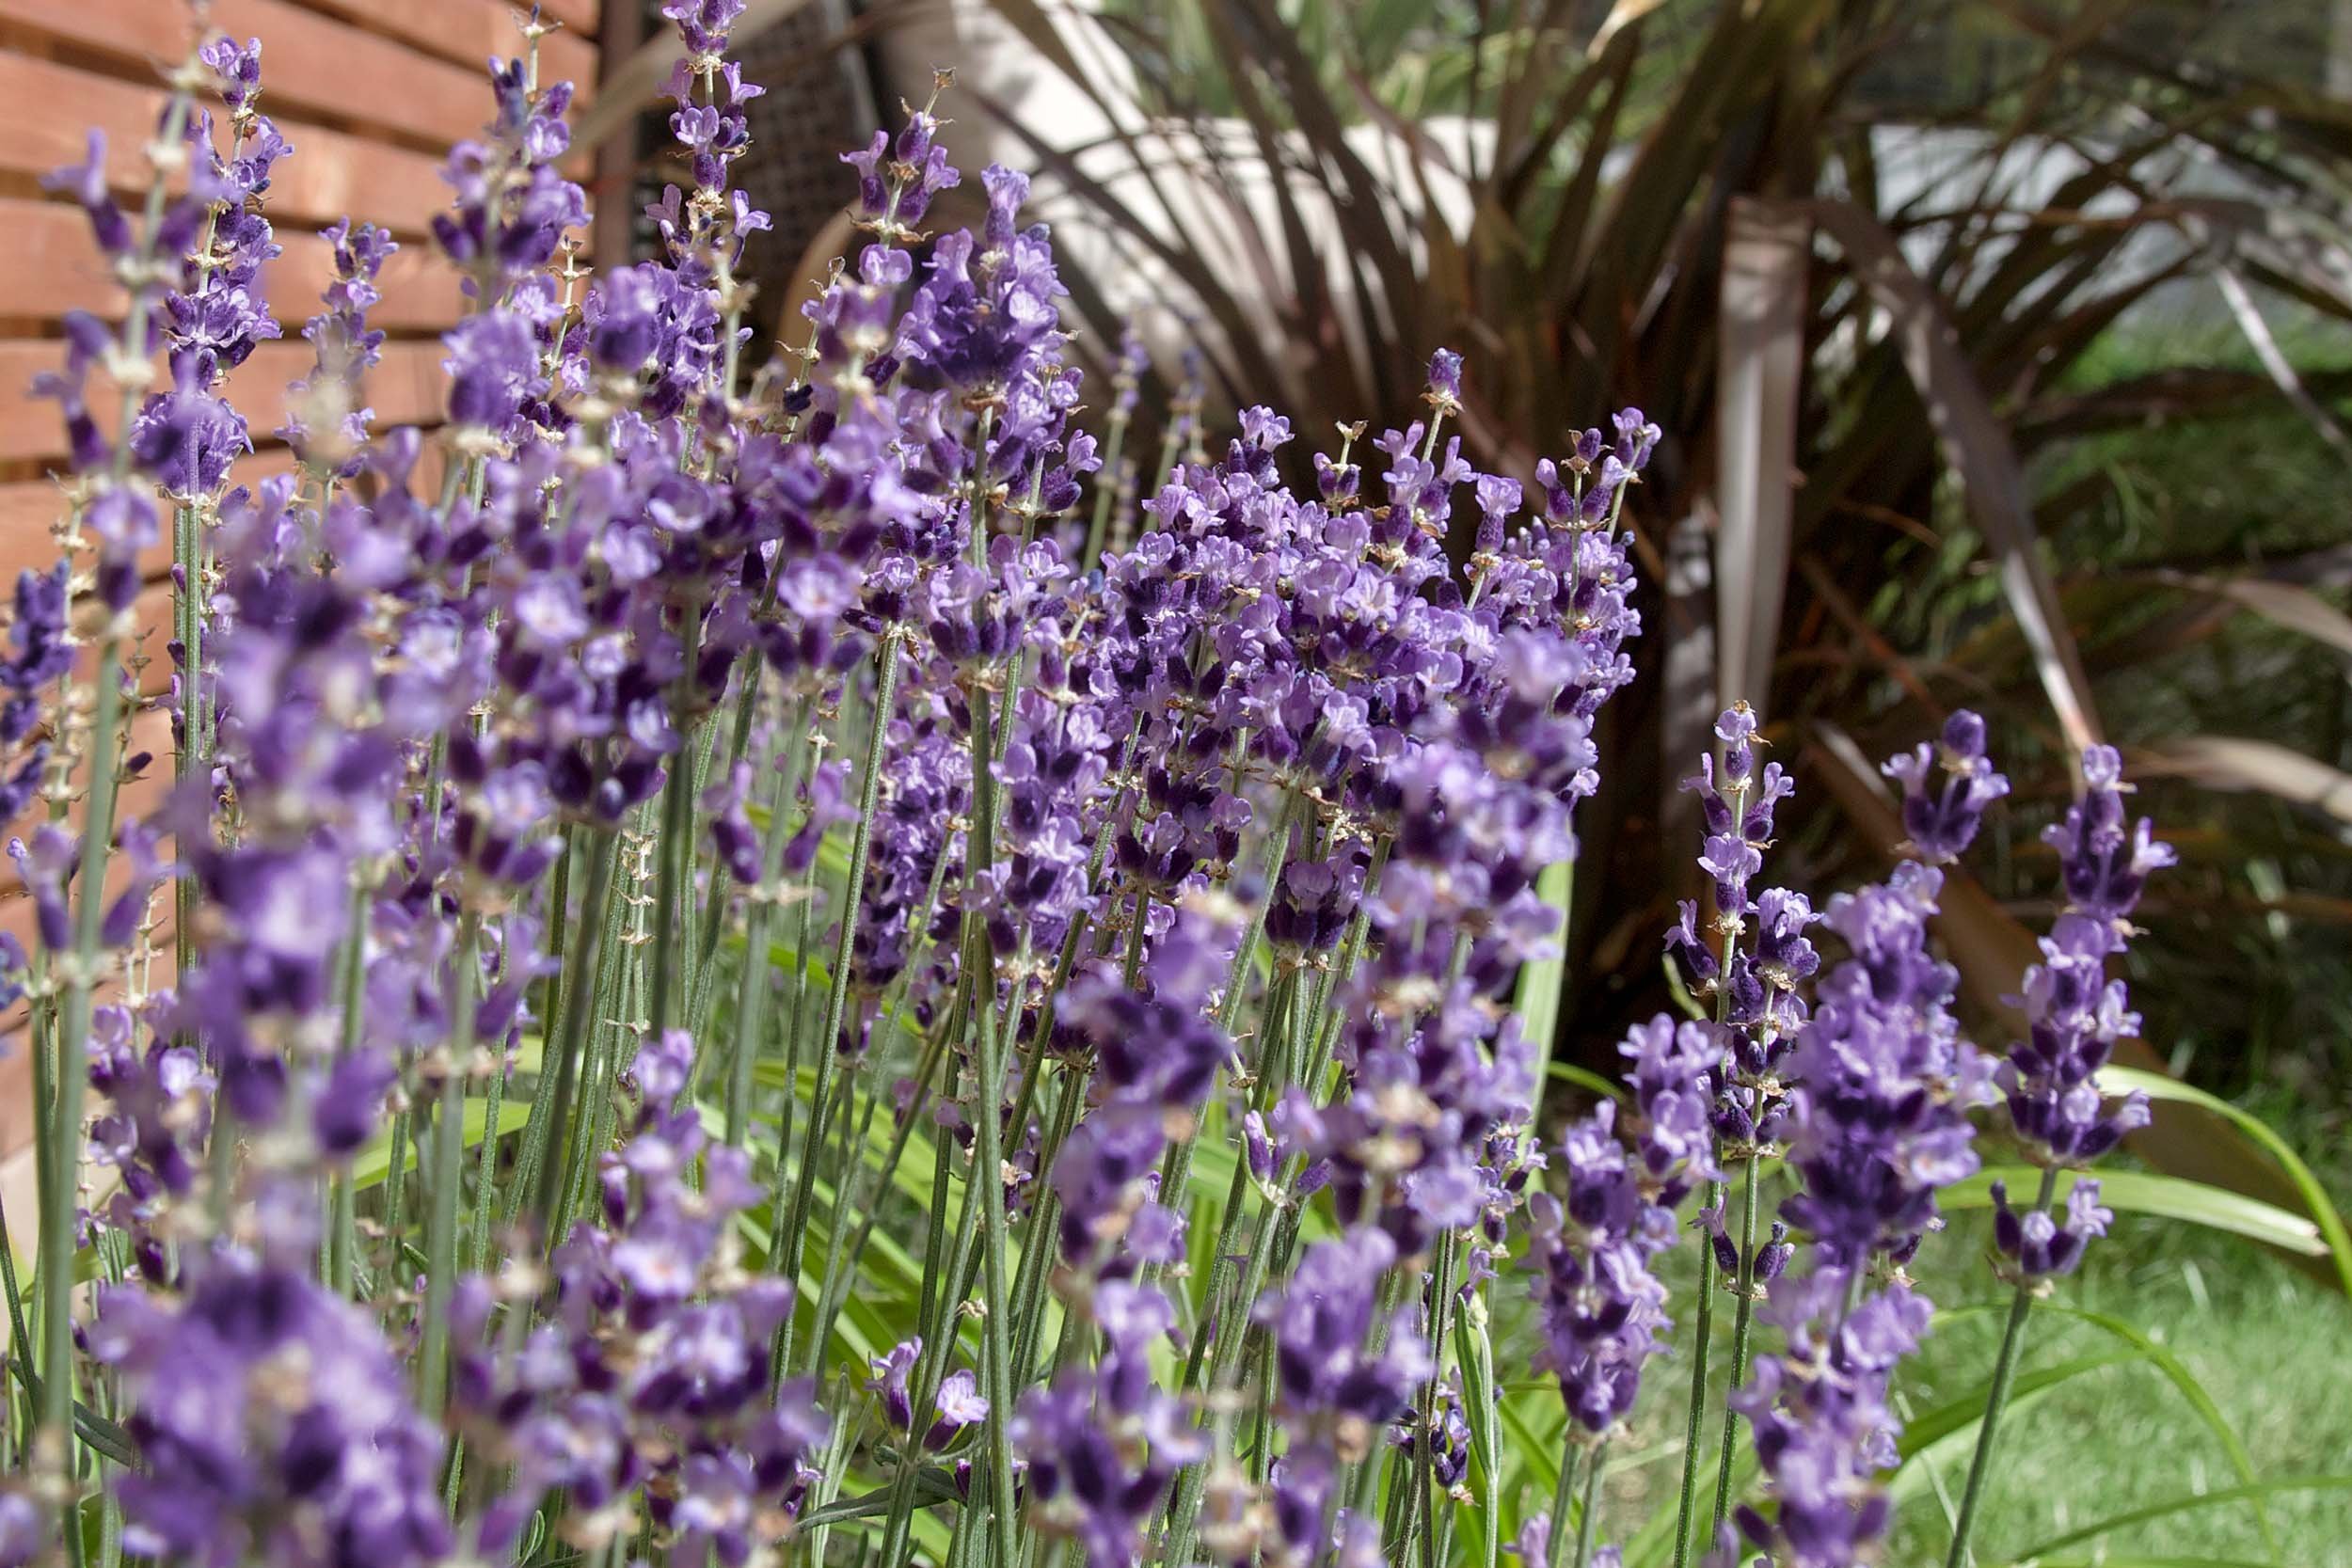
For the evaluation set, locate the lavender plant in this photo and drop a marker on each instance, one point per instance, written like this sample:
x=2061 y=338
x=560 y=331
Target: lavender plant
x=761 y=968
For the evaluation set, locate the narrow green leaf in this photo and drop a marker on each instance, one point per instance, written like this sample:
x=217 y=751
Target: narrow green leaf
x=2190 y=1389
x=1967 y=1412
x=369 y=1169
x=1536 y=998
x=1586 y=1079
x=2155 y=1086
x=1541 y=1452
x=2166 y=1196
x=2186 y=1504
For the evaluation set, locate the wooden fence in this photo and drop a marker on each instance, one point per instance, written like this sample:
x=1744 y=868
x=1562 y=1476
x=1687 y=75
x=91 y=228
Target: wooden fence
x=370 y=94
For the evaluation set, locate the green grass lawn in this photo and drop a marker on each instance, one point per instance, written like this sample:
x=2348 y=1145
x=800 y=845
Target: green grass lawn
x=2269 y=1346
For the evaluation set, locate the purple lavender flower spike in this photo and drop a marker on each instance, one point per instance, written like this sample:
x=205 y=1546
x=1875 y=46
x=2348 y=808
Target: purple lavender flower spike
x=1884 y=1079
x=1823 y=1427
x=2043 y=1245
x=1098 y=1449
x=1603 y=1310
x=2075 y=1012
x=1943 y=820
x=241 y=1460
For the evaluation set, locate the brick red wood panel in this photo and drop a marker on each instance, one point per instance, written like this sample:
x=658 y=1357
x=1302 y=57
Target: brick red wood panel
x=371 y=95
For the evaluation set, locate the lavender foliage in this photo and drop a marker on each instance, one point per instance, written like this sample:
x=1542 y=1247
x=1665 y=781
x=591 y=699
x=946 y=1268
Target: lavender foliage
x=758 y=949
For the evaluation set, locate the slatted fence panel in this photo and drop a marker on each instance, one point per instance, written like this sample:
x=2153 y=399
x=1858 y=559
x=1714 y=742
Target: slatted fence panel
x=371 y=95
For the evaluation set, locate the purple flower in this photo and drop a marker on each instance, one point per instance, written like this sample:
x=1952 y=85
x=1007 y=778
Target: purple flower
x=1823 y=1429
x=25 y=1531
x=1099 y=1448
x=1445 y=382
x=1603 y=1310
x=272 y=1421
x=1672 y=1071
x=1336 y=1380
x=1942 y=821
x=888 y=1383
x=2042 y=1244
x=1884 y=1081
x=2074 y=1013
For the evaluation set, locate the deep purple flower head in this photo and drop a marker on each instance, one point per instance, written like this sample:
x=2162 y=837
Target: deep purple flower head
x=1942 y=819
x=236 y=70
x=1603 y=1310
x=2042 y=1244
x=1674 y=1067
x=272 y=1421
x=1445 y=381
x=704 y=23
x=2104 y=860
x=1823 y=1429
x=1334 y=1383
x=186 y=439
x=1099 y=1447
x=2074 y=1013
x=1756 y=986
x=1884 y=1079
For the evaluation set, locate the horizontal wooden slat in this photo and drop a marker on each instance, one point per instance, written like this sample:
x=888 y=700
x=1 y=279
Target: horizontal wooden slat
x=57 y=268
x=470 y=32
x=45 y=108
x=31 y=508
x=404 y=388
x=309 y=63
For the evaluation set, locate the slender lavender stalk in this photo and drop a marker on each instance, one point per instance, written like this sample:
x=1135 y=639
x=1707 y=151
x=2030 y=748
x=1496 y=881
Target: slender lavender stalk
x=122 y=519
x=1124 y=852
x=2075 y=1015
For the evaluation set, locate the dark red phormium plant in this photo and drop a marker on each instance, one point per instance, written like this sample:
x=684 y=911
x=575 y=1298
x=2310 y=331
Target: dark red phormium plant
x=621 y=836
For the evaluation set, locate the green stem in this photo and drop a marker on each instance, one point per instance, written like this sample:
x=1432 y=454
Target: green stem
x=674 y=880
x=1697 y=1423
x=342 y=1234
x=620 y=995
x=1563 y=1490
x=1688 y=1501
x=20 y=1338
x=184 y=558
x=579 y=985
x=449 y=1146
x=837 y=1002
x=1106 y=486
x=493 y=1105
x=751 y=1000
x=1591 y=1510
x=996 y=1359
x=937 y=1269
x=2004 y=1368
x=1743 y=1313
x=62 y=1129
x=1423 y=1520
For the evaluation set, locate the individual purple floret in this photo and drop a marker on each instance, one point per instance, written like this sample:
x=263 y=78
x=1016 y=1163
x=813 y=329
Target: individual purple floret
x=1823 y=1427
x=1942 y=818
